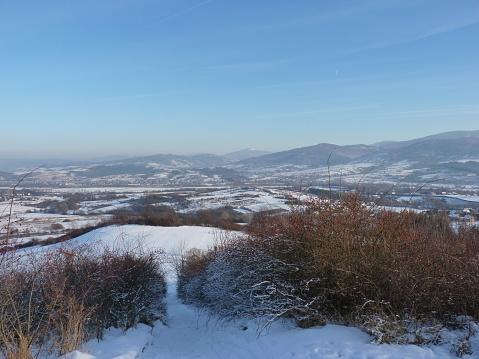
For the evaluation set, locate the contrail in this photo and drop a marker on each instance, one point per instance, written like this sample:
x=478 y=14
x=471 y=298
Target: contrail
x=175 y=15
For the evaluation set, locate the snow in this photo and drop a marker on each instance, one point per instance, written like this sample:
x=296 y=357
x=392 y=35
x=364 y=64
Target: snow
x=165 y=238
x=192 y=333
x=115 y=345
x=464 y=198
x=253 y=200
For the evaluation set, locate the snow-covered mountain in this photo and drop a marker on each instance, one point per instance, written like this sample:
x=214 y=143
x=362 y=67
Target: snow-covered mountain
x=445 y=147
x=312 y=156
x=245 y=154
x=452 y=157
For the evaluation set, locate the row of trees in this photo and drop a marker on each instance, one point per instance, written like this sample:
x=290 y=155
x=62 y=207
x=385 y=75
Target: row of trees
x=163 y=215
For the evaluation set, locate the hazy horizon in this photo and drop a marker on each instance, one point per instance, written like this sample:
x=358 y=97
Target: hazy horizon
x=91 y=79
x=125 y=156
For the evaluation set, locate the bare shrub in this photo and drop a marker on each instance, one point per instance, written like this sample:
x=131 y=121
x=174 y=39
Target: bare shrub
x=57 y=226
x=129 y=288
x=192 y=278
x=53 y=301
x=342 y=261
x=254 y=284
x=404 y=262
x=19 y=302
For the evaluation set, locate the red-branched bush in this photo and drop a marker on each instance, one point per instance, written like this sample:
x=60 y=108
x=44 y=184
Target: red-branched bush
x=342 y=261
x=55 y=300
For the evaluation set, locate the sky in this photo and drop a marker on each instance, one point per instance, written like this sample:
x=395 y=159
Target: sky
x=89 y=78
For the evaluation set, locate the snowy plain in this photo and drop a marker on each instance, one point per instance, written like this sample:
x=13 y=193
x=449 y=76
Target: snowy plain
x=32 y=222
x=192 y=333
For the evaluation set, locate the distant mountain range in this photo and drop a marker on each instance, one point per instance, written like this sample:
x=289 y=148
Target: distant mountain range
x=311 y=156
x=453 y=156
x=444 y=147
x=245 y=154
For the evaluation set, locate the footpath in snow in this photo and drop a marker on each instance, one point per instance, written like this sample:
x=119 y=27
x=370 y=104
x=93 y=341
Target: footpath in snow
x=191 y=333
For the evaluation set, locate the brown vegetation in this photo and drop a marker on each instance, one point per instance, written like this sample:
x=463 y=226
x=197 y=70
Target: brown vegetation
x=53 y=301
x=342 y=262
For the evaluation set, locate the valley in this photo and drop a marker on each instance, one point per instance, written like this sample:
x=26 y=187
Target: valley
x=434 y=173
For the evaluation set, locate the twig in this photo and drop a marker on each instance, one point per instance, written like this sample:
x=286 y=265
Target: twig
x=5 y=242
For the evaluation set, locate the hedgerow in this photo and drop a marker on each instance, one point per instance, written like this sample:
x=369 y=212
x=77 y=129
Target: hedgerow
x=224 y=217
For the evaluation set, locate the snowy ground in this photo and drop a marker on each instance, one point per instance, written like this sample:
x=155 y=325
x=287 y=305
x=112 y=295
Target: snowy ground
x=30 y=222
x=474 y=198
x=191 y=333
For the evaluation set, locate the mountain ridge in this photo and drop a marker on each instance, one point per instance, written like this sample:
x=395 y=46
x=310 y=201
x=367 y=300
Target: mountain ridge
x=451 y=155
x=314 y=155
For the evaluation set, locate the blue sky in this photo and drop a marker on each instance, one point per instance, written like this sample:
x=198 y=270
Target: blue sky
x=80 y=79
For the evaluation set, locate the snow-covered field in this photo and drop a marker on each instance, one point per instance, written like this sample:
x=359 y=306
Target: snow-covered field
x=474 y=198
x=252 y=200
x=191 y=333
x=32 y=222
